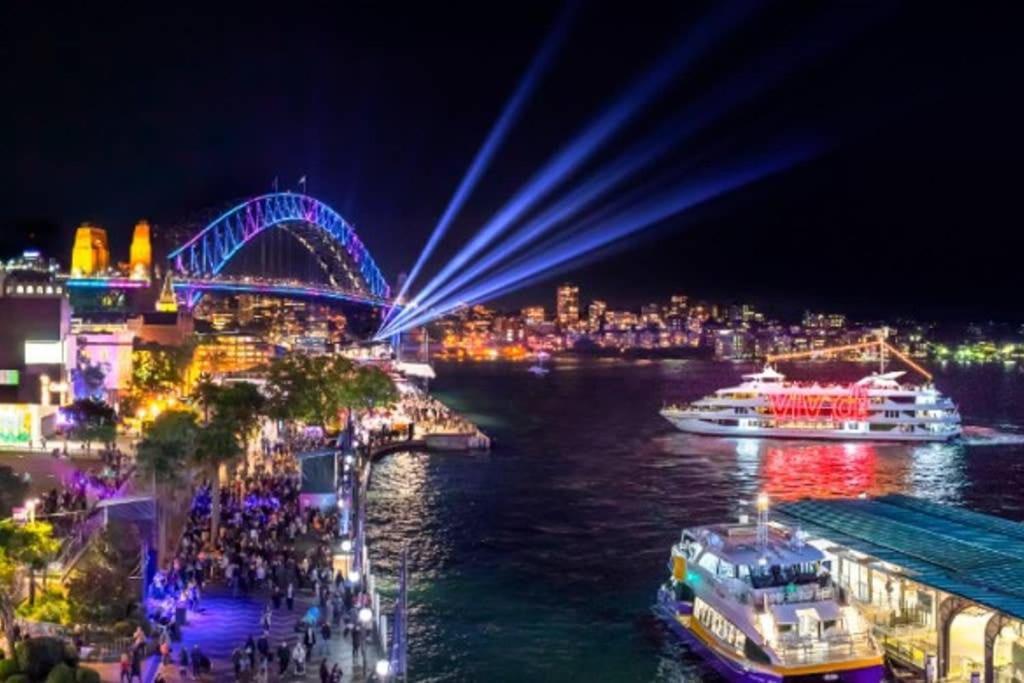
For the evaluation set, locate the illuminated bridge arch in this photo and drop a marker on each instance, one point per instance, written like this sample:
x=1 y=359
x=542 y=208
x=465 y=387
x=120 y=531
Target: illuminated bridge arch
x=317 y=227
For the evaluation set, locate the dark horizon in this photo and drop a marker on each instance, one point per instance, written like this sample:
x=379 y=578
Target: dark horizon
x=910 y=211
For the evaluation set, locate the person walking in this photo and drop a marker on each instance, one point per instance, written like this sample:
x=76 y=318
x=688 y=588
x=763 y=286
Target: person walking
x=325 y=636
x=325 y=673
x=290 y=596
x=197 y=662
x=126 y=668
x=183 y=670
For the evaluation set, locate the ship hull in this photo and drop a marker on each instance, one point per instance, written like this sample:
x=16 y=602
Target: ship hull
x=695 y=426
x=738 y=671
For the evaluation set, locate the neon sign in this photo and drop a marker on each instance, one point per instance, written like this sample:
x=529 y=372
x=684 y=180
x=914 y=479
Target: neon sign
x=852 y=406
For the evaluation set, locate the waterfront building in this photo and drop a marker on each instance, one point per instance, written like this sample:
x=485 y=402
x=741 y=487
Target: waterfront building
x=37 y=351
x=567 y=305
x=940 y=585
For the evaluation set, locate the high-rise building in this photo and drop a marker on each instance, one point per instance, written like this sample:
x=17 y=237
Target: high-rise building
x=595 y=314
x=533 y=315
x=677 y=305
x=567 y=305
x=650 y=314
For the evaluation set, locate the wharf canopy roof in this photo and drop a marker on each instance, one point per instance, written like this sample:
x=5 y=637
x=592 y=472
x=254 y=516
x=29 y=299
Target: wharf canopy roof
x=975 y=556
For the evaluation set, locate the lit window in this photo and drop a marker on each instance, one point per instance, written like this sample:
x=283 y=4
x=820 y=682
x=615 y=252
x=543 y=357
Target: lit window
x=20 y=289
x=49 y=289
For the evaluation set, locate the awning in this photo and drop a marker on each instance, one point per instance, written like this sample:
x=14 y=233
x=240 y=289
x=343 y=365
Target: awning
x=422 y=370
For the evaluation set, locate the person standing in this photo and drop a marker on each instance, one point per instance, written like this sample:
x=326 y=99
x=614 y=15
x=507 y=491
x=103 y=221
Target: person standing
x=290 y=596
x=283 y=659
x=183 y=670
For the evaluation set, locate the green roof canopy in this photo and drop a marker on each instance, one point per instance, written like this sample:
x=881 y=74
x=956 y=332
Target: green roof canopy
x=976 y=556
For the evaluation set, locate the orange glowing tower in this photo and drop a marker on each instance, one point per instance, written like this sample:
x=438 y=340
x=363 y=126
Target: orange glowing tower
x=90 y=255
x=140 y=255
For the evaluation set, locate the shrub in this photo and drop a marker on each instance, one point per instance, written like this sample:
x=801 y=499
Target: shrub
x=62 y=673
x=36 y=656
x=18 y=678
x=87 y=675
x=8 y=667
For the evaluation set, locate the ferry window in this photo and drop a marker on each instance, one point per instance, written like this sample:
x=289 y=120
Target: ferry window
x=709 y=562
x=693 y=550
x=726 y=570
x=744 y=571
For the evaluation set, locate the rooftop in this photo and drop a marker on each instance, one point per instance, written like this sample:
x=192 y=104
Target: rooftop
x=976 y=556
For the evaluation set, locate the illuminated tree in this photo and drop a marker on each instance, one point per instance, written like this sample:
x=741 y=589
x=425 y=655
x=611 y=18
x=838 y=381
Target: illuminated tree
x=92 y=420
x=31 y=545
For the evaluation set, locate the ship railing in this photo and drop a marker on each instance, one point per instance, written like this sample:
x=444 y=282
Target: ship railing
x=813 y=593
x=837 y=647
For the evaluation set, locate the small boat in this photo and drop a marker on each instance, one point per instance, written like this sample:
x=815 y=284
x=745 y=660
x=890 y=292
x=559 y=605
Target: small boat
x=538 y=368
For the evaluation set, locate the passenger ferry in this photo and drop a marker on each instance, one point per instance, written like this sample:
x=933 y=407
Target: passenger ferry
x=759 y=604
x=876 y=408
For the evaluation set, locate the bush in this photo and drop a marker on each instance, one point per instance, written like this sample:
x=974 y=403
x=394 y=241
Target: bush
x=8 y=667
x=62 y=673
x=86 y=675
x=36 y=656
x=18 y=678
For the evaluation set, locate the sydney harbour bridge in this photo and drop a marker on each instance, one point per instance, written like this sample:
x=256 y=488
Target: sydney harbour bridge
x=222 y=256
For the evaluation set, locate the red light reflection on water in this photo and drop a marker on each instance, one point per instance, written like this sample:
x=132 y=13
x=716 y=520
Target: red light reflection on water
x=791 y=472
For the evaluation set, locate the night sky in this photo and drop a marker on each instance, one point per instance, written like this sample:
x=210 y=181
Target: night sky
x=912 y=208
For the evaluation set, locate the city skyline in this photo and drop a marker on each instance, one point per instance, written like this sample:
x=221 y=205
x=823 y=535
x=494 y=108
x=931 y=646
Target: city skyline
x=893 y=193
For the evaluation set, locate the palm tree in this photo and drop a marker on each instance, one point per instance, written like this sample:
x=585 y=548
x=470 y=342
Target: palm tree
x=216 y=447
x=162 y=456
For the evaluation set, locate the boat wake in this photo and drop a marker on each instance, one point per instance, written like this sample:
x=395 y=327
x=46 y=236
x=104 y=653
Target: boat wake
x=987 y=436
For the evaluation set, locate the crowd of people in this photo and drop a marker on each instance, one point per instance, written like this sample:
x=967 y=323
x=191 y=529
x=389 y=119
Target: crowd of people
x=268 y=545
x=415 y=415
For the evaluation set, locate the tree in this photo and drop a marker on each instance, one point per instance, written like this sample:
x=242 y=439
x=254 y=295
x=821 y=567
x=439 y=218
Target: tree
x=370 y=387
x=241 y=405
x=216 y=446
x=98 y=589
x=205 y=395
x=163 y=455
x=31 y=545
x=92 y=420
x=310 y=389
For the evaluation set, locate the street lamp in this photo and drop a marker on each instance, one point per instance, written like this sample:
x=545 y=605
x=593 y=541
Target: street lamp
x=365 y=616
x=383 y=668
x=346 y=547
x=353 y=576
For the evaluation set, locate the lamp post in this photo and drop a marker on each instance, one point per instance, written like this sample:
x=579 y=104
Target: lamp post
x=382 y=669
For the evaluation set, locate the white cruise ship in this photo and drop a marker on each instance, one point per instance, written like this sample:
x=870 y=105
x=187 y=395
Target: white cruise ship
x=876 y=408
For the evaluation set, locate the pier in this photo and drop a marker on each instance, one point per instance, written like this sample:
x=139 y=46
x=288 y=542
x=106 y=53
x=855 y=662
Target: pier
x=942 y=586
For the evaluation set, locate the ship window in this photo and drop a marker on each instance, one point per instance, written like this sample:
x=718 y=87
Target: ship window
x=709 y=562
x=744 y=572
x=726 y=570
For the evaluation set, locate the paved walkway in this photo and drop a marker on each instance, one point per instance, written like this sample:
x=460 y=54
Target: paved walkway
x=224 y=622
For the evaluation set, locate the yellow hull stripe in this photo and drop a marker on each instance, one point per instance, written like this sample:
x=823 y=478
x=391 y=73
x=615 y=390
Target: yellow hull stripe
x=709 y=640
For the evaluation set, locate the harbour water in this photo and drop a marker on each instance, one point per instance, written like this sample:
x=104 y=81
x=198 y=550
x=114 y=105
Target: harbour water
x=539 y=561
